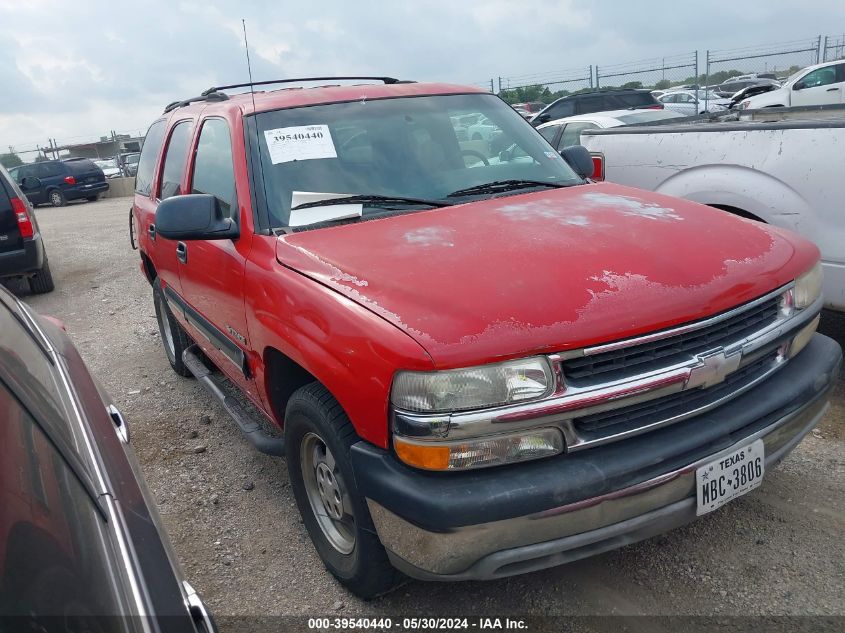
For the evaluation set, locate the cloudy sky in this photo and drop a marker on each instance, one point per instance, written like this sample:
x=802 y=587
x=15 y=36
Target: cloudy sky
x=75 y=70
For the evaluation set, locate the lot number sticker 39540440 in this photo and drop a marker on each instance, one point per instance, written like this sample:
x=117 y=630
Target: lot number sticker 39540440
x=300 y=142
x=730 y=476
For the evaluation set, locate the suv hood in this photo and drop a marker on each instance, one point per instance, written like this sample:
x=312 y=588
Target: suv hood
x=547 y=271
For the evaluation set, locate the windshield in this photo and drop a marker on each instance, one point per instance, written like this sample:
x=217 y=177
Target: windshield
x=132 y=159
x=414 y=147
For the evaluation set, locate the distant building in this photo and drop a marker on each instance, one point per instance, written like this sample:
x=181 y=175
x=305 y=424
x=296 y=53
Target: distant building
x=106 y=147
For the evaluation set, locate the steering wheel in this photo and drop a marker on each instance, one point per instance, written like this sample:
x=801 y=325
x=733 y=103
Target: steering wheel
x=478 y=155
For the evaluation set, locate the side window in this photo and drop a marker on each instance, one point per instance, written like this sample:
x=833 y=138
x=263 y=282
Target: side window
x=592 y=104
x=572 y=134
x=840 y=72
x=48 y=170
x=214 y=172
x=562 y=109
x=820 y=77
x=174 y=160
x=549 y=133
x=147 y=162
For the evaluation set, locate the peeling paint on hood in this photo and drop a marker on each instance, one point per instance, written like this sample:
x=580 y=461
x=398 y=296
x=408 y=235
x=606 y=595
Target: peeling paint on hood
x=547 y=271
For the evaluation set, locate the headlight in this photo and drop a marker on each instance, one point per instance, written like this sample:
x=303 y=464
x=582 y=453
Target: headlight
x=808 y=287
x=473 y=387
x=479 y=453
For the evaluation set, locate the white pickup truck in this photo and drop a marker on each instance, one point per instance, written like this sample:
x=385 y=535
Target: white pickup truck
x=782 y=166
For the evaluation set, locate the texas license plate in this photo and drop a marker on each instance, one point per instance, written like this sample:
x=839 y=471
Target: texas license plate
x=730 y=476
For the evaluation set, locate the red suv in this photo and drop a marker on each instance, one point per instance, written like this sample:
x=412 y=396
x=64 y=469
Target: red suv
x=477 y=364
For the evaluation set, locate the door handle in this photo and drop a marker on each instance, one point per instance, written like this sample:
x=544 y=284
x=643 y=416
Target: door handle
x=152 y=231
x=120 y=426
x=182 y=252
x=831 y=89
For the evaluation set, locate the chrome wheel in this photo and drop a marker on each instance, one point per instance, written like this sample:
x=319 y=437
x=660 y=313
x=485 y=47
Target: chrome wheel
x=166 y=328
x=56 y=199
x=327 y=493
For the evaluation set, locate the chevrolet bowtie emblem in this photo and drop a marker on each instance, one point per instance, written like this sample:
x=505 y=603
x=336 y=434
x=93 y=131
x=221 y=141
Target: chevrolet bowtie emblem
x=713 y=368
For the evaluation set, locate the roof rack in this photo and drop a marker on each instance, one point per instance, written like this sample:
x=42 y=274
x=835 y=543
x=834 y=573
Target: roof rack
x=205 y=96
x=387 y=80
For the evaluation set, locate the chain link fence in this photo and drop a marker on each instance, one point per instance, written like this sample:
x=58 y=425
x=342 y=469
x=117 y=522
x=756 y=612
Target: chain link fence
x=775 y=61
x=544 y=87
x=833 y=48
x=659 y=73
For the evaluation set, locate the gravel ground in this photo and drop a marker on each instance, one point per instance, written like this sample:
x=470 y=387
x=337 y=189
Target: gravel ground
x=231 y=515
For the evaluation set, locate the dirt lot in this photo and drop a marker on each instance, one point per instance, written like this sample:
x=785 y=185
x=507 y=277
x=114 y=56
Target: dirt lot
x=233 y=523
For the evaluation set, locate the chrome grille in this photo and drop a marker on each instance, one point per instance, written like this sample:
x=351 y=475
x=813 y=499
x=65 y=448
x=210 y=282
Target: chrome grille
x=645 y=357
x=675 y=406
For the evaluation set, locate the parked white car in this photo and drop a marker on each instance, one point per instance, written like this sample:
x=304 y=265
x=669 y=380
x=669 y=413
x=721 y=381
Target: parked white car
x=483 y=130
x=692 y=102
x=567 y=131
x=822 y=84
x=785 y=172
x=109 y=167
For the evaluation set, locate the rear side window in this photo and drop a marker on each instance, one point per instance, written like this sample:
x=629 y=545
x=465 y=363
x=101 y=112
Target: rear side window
x=214 y=172
x=174 y=160
x=147 y=163
x=635 y=99
x=587 y=105
x=80 y=166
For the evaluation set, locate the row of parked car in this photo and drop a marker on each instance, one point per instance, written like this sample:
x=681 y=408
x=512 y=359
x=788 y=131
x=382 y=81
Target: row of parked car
x=820 y=84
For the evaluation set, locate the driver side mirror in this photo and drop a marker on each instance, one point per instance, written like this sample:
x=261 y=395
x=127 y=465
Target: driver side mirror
x=799 y=85
x=30 y=182
x=579 y=159
x=195 y=216
x=543 y=118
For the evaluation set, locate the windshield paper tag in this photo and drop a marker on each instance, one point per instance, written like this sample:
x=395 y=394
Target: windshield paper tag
x=301 y=142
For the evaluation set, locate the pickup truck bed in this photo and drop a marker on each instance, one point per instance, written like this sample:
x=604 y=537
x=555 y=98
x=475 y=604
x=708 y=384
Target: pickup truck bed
x=779 y=165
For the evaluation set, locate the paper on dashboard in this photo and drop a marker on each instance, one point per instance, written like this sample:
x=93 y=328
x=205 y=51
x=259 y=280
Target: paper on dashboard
x=313 y=215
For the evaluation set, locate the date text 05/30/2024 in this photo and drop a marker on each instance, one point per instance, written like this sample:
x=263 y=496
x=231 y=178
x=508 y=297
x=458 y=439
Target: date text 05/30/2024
x=418 y=624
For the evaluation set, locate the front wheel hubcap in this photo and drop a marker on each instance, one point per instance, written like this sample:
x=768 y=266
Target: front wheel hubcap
x=327 y=493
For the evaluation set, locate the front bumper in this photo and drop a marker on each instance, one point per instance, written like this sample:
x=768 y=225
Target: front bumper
x=511 y=520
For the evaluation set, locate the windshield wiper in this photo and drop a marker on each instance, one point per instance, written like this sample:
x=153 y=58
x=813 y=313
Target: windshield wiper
x=503 y=185
x=371 y=199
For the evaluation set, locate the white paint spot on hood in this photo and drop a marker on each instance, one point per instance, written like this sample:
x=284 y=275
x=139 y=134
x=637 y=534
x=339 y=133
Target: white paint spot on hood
x=430 y=236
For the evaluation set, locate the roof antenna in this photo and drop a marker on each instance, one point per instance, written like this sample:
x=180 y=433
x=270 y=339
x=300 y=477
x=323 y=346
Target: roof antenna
x=255 y=120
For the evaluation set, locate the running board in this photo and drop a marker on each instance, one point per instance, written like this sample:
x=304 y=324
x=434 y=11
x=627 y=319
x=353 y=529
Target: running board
x=252 y=430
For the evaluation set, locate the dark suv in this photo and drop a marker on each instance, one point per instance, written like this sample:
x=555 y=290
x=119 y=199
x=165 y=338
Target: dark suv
x=597 y=101
x=21 y=247
x=57 y=181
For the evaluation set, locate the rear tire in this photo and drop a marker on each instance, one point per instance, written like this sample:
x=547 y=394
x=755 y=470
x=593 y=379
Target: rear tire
x=174 y=339
x=318 y=438
x=42 y=281
x=57 y=198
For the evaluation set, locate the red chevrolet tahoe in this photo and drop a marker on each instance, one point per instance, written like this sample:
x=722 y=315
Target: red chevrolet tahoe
x=478 y=362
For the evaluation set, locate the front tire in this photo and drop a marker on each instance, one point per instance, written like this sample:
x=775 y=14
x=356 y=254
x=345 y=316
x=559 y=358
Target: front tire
x=42 y=281
x=174 y=339
x=57 y=198
x=318 y=439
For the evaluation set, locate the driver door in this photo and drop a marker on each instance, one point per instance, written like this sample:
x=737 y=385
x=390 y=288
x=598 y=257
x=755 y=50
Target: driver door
x=822 y=86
